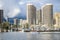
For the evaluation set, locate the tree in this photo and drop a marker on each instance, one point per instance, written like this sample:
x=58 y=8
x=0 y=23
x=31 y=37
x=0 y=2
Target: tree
x=14 y=26
x=27 y=25
x=1 y=27
x=20 y=26
x=4 y=26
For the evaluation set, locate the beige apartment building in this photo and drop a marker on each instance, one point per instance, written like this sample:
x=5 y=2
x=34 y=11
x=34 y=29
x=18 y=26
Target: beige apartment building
x=38 y=17
x=31 y=14
x=47 y=15
x=57 y=19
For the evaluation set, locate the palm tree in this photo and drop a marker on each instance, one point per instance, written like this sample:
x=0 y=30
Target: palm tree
x=20 y=26
x=14 y=26
x=27 y=25
x=1 y=27
x=6 y=26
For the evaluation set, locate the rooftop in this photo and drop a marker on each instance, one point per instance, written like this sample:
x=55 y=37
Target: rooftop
x=29 y=4
x=46 y=5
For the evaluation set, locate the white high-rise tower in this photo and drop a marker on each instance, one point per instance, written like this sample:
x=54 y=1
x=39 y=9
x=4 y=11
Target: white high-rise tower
x=31 y=14
x=47 y=15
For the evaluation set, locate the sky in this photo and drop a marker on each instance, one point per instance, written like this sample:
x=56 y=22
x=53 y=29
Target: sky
x=17 y=8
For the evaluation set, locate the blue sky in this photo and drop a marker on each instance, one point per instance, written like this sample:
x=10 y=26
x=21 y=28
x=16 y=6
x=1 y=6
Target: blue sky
x=17 y=8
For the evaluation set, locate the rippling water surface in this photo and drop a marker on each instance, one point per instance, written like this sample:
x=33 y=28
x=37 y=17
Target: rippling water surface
x=30 y=36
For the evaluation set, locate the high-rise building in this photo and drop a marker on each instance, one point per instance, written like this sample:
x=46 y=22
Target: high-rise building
x=21 y=21
x=57 y=19
x=38 y=17
x=47 y=15
x=1 y=16
x=16 y=21
x=54 y=20
x=31 y=14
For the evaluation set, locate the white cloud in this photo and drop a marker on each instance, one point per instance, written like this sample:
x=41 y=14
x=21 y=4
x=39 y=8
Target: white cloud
x=21 y=2
x=1 y=4
x=27 y=1
x=33 y=0
x=14 y=12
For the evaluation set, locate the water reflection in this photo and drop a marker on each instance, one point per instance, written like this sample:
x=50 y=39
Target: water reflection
x=29 y=36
